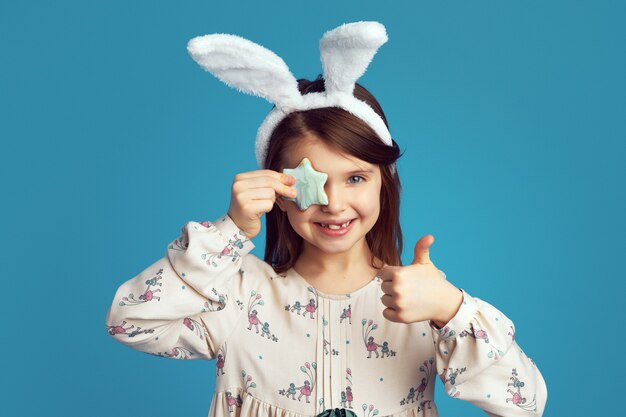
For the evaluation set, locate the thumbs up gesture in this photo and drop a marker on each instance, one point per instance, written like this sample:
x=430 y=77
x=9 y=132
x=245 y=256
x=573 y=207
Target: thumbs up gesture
x=419 y=291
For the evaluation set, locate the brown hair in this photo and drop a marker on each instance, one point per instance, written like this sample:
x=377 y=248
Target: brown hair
x=338 y=128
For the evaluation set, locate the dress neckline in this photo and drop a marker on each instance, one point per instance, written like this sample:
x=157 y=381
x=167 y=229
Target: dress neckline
x=330 y=296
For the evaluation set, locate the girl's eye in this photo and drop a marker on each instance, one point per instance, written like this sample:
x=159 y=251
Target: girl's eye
x=358 y=176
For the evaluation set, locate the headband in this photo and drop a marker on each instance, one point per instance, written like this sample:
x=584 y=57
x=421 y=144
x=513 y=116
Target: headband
x=345 y=51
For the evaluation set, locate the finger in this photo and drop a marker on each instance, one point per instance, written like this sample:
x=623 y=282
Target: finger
x=391 y=315
x=421 y=252
x=280 y=176
x=272 y=183
x=387 y=287
x=259 y=194
x=386 y=274
x=388 y=301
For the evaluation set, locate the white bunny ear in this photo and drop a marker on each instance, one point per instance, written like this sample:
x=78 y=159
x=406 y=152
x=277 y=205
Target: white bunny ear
x=346 y=51
x=246 y=66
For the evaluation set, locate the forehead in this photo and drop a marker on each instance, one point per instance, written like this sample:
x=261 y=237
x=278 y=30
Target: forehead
x=325 y=158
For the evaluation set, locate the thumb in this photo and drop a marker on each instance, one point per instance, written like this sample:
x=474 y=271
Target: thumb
x=421 y=251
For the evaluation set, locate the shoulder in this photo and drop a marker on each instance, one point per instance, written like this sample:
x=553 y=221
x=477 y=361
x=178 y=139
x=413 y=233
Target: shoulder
x=256 y=272
x=257 y=267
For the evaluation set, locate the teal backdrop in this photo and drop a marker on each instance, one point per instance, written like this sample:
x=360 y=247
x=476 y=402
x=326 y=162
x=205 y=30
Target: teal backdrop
x=511 y=116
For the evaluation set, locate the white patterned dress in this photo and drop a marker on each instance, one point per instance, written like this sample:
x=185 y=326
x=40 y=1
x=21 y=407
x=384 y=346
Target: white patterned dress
x=284 y=349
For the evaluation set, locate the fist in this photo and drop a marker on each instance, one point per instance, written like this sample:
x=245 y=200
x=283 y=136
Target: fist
x=418 y=291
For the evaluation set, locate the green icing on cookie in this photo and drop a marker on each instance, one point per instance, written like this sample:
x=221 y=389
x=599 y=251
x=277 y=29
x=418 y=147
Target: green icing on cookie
x=309 y=185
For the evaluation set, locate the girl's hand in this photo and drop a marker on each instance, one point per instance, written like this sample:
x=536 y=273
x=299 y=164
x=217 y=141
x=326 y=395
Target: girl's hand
x=254 y=193
x=419 y=291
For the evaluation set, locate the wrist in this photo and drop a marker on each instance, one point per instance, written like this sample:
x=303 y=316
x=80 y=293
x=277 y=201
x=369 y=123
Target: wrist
x=450 y=306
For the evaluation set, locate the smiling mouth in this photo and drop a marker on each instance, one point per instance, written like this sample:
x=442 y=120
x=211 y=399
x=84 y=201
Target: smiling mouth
x=335 y=227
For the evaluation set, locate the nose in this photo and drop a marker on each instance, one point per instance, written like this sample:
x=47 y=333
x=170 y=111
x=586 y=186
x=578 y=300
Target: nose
x=336 y=198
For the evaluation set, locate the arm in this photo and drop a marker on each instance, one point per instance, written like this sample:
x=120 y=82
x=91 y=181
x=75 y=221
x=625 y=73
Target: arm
x=479 y=361
x=183 y=305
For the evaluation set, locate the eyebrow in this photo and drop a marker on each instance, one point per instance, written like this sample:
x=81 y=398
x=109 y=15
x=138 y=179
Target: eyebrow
x=362 y=171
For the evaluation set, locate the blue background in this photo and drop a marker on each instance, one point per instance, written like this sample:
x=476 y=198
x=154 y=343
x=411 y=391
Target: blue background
x=511 y=116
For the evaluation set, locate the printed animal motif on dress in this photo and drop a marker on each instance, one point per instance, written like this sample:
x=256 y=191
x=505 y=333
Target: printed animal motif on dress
x=310 y=370
x=518 y=399
x=221 y=360
x=120 y=329
x=370 y=343
x=239 y=302
x=452 y=379
x=148 y=294
x=326 y=351
x=233 y=401
x=347 y=313
x=346 y=396
x=417 y=394
x=175 y=353
x=253 y=319
x=247 y=382
x=310 y=307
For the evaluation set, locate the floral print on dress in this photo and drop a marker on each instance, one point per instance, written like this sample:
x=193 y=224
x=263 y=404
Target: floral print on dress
x=310 y=370
x=417 y=393
x=253 y=319
x=517 y=398
x=370 y=343
x=148 y=294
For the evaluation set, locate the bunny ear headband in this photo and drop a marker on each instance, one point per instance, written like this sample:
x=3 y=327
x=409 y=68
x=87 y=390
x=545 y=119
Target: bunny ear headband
x=345 y=51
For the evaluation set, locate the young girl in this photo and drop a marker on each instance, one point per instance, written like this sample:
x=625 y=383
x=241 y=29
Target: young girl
x=329 y=322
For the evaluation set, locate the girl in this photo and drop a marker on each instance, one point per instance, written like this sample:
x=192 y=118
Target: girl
x=330 y=321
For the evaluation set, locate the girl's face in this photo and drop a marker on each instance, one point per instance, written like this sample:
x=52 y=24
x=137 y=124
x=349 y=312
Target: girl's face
x=353 y=190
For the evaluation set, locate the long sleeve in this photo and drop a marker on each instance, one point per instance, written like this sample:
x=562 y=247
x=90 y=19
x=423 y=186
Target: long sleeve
x=183 y=305
x=479 y=361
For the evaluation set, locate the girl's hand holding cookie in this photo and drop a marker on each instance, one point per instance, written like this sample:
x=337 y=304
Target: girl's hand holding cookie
x=419 y=291
x=254 y=193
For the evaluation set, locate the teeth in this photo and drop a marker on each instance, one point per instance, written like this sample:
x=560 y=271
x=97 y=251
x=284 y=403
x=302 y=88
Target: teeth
x=334 y=226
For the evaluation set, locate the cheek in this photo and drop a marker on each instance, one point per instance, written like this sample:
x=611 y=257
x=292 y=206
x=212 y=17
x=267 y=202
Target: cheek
x=297 y=217
x=368 y=204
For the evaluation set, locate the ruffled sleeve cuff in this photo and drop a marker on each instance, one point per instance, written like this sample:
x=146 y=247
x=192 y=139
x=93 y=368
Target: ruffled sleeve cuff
x=234 y=235
x=461 y=319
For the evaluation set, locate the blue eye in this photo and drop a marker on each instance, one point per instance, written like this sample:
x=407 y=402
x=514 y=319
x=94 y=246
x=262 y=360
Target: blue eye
x=358 y=176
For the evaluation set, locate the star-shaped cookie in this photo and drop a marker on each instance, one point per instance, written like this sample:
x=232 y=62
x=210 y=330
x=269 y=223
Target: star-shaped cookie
x=309 y=185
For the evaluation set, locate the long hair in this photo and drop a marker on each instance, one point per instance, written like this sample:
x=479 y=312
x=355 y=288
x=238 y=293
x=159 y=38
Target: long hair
x=340 y=129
